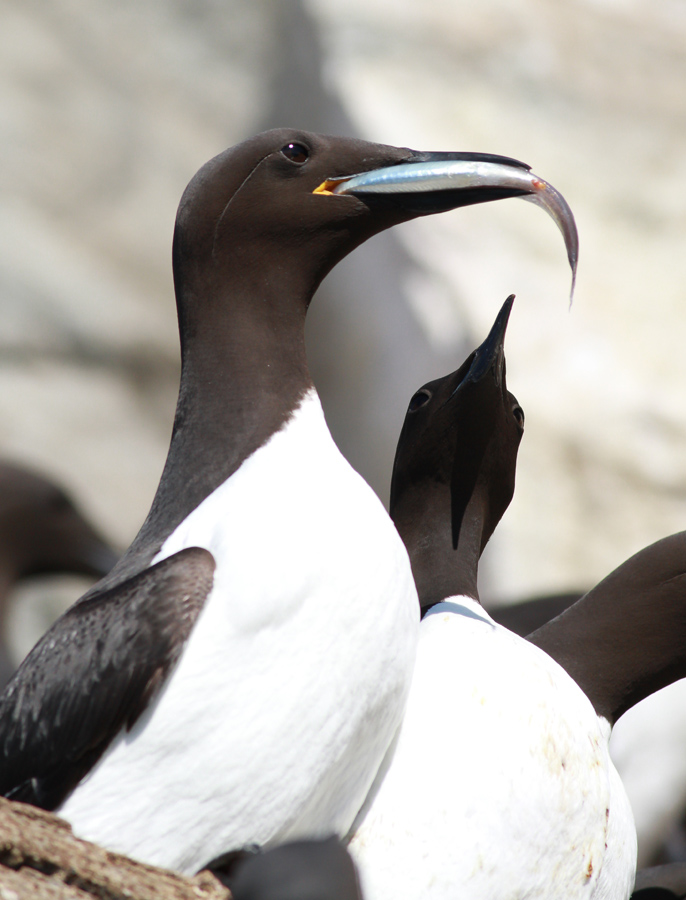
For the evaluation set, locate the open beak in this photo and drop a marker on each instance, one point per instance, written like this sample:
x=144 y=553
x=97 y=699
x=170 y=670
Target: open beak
x=436 y=182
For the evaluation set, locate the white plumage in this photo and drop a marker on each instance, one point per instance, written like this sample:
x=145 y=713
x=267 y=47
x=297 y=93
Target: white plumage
x=294 y=679
x=647 y=747
x=500 y=785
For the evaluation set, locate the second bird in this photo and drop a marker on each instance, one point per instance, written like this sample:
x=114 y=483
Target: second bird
x=500 y=784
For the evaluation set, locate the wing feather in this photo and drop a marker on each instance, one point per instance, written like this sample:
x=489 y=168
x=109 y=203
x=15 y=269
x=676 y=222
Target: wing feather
x=93 y=673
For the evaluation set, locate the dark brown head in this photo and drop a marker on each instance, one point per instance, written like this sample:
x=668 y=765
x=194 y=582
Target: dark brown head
x=454 y=470
x=255 y=206
x=270 y=217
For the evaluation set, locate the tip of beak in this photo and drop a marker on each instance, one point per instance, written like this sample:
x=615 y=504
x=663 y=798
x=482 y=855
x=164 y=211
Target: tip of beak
x=492 y=352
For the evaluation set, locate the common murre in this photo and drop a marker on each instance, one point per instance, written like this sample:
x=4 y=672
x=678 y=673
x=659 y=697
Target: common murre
x=237 y=679
x=500 y=782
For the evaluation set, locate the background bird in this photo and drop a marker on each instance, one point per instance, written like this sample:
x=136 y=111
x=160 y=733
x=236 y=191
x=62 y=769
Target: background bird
x=42 y=532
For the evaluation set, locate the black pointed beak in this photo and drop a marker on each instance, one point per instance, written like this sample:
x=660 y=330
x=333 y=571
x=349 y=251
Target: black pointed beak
x=436 y=182
x=490 y=356
x=475 y=406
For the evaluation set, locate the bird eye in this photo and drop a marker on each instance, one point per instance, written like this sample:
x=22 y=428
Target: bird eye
x=518 y=413
x=297 y=153
x=420 y=399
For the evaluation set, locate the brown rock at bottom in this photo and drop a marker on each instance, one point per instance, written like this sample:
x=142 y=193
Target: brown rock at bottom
x=40 y=859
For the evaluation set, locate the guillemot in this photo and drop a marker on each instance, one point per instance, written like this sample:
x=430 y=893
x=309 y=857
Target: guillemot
x=238 y=677
x=499 y=782
x=42 y=532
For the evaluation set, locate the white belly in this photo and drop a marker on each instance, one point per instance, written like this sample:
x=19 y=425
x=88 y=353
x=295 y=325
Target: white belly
x=295 y=676
x=500 y=780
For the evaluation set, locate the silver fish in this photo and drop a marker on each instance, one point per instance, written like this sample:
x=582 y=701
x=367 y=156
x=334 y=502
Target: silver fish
x=443 y=175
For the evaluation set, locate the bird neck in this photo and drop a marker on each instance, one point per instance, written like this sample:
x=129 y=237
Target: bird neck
x=440 y=569
x=243 y=373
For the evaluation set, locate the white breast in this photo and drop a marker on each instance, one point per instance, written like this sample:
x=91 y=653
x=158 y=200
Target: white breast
x=500 y=780
x=295 y=676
